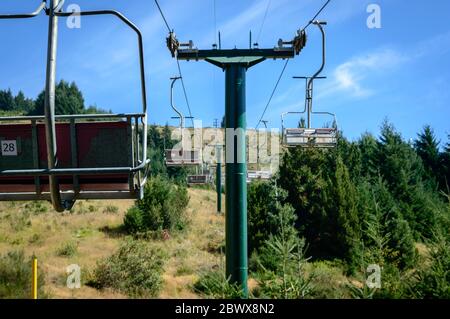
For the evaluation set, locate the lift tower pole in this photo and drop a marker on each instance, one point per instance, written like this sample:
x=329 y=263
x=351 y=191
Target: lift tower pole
x=235 y=63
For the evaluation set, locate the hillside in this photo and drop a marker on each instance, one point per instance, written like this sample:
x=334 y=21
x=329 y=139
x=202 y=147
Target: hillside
x=92 y=227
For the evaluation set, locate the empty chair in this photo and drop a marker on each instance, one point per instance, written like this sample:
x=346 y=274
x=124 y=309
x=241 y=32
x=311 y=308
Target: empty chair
x=180 y=156
x=309 y=136
x=70 y=157
x=258 y=175
x=199 y=179
x=322 y=137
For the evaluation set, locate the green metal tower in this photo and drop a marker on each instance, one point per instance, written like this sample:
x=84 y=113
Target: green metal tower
x=235 y=63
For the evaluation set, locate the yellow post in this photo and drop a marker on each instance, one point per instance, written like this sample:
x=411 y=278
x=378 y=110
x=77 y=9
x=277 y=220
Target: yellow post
x=34 y=280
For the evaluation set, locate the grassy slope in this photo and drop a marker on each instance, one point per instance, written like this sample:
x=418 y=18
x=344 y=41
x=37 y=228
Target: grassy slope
x=92 y=228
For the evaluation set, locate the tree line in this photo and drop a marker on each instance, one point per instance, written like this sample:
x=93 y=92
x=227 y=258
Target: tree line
x=69 y=100
x=369 y=201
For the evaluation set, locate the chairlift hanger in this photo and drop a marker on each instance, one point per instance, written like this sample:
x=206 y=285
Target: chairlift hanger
x=77 y=168
x=180 y=157
x=311 y=137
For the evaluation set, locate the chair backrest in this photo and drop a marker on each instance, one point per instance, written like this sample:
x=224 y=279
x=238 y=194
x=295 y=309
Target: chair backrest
x=198 y=179
x=94 y=157
x=303 y=137
x=180 y=157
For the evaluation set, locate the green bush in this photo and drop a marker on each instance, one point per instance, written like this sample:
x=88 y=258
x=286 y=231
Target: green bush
x=163 y=207
x=68 y=249
x=214 y=284
x=15 y=277
x=327 y=280
x=287 y=279
x=134 y=221
x=135 y=269
x=432 y=279
x=265 y=210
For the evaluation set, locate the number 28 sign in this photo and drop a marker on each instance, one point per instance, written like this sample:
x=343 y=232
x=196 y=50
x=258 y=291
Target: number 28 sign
x=9 y=147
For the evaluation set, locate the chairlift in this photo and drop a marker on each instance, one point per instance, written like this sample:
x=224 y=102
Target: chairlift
x=308 y=136
x=64 y=158
x=180 y=157
x=201 y=179
x=258 y=175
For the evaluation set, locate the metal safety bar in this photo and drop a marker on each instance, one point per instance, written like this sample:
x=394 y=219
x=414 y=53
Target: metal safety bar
x=49 y=119
x=25 y=15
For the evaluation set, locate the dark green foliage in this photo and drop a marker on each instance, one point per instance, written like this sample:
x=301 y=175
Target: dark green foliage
x=398 y=163
x=18 y=104
x=368 y=148
x=15 y=277
x=69 y=100
x=343 y=215
x=7 y=102
x=134 y=221
x=135 y=269
x=445 y=168
x=265 y=209
x=163 y=207
x=285 y=278
x=386 y=235
x=214 y=284
x=303 y=174
x=278 y=253
x=427 y=147
x=432 y=279
x=366 y=202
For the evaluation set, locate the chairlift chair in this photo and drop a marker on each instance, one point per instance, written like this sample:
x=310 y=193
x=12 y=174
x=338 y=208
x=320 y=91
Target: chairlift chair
x=308 y=136
x=202 y=179
x=180 y=157
x=258 y=175
x=64 y=158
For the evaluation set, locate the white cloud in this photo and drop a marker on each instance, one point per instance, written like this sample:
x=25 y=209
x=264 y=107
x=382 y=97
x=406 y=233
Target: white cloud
x=349 y=76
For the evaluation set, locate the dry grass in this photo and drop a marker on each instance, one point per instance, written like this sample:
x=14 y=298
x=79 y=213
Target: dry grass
x=91 y=228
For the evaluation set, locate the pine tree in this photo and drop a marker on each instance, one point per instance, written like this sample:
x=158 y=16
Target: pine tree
x=267 y=213
x=344 y=214
x=427 y=147
x=69 y=100
x=23 y=104
x=445 y=168
x=7 y=102
x=368 y=148
x=303 y=174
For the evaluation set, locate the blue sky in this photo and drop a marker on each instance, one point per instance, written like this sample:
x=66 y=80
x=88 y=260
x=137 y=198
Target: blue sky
x=400 y=71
